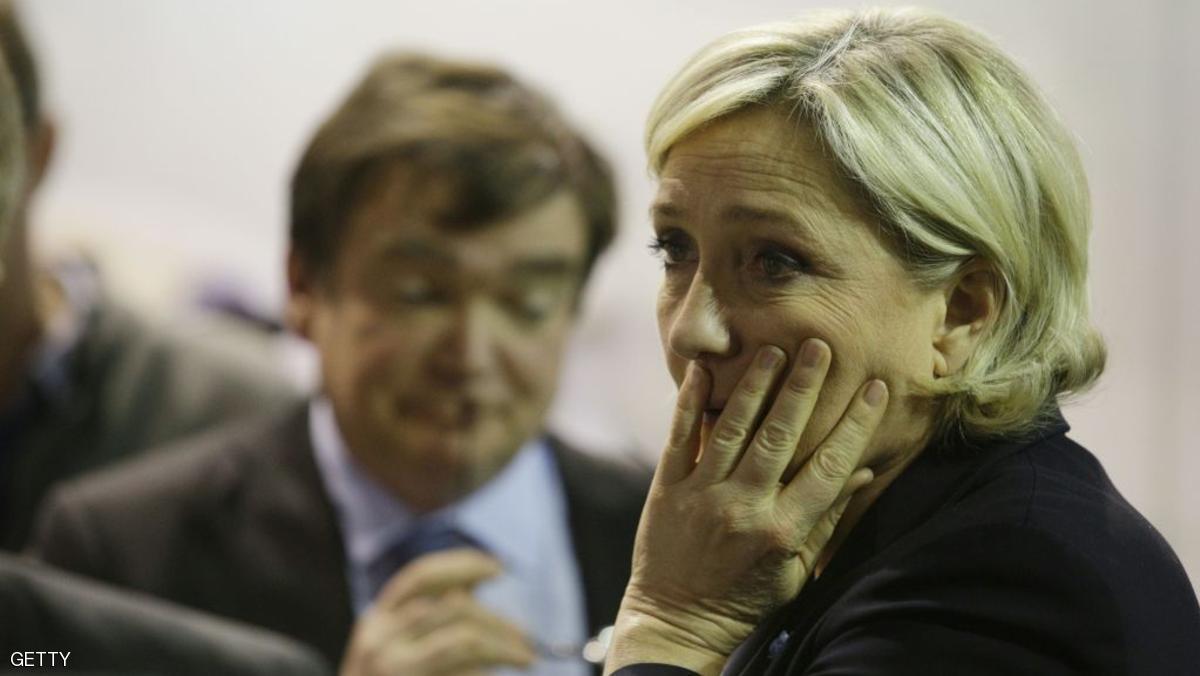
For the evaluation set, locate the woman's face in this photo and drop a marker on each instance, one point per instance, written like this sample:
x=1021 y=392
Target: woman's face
x=763 y=244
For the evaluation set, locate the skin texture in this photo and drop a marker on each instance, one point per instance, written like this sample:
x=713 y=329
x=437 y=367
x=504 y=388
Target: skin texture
x=425 y=621
x=763 y=245
x=797 y=338
x=440 y=346
x=724 y=539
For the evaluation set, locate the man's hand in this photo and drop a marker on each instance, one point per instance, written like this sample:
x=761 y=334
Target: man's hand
x=426 y=622
x=726 y=536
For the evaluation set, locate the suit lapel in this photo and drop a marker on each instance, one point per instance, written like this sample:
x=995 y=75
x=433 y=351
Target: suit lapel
x=278 y=529
x=604 y=506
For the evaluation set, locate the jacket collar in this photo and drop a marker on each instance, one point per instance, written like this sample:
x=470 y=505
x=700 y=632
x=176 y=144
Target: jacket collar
x=936 y=478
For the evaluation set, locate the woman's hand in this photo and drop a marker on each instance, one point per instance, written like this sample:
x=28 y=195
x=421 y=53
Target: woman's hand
x=723 y=540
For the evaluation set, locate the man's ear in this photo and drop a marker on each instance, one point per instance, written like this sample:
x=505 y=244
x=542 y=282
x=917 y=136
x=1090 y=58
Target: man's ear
x=972 y=305
x=302 y=291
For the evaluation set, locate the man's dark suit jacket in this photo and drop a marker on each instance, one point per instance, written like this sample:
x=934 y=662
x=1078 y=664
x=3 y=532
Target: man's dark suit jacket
x=239 y=524
x=1015 y=558
x=111 y=631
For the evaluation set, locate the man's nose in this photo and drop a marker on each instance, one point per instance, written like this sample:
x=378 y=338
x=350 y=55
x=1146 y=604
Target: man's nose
x=469 y=343
x=697 y=326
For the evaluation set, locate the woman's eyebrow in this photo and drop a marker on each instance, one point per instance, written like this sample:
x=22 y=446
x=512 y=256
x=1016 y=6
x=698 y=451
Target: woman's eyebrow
x=785 y=220
x=665 y=210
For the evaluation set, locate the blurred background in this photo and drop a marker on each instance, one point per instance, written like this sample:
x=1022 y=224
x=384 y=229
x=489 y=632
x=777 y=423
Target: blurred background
x=180 y=123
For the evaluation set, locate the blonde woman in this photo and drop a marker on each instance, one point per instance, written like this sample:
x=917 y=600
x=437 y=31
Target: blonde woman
x=874 y=238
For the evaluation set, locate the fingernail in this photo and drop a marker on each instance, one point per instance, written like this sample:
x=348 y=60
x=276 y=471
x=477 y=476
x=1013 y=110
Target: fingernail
x=810 y=353
x=861 y=478
x=876 y=391
x=770 y=357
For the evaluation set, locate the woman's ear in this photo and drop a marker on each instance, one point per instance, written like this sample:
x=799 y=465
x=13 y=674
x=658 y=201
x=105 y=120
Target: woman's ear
x=972 y=304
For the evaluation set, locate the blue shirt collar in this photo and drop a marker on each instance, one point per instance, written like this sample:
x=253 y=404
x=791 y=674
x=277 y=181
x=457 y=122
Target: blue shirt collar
x=507 y=515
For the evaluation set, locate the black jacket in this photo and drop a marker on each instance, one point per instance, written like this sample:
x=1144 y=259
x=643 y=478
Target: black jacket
x=239 y=524
x=1013 y=558
x=129 y=387
x=105 y=630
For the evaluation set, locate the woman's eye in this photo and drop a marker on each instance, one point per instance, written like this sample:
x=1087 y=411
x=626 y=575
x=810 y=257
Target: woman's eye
x=780 y=265
x=671 y=249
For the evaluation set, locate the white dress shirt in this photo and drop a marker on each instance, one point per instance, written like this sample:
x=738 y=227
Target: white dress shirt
x=520 y=517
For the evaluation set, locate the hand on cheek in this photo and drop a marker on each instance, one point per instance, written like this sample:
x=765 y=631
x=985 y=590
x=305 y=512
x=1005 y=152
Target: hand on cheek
x=727 y=536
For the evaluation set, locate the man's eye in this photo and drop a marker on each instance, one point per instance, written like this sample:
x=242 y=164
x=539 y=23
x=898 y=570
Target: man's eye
x=415 y=291
x=671 y=249
x=779 y=265
x=534 y=305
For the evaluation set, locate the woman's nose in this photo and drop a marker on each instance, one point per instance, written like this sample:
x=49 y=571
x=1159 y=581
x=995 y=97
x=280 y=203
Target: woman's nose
x=697 y=327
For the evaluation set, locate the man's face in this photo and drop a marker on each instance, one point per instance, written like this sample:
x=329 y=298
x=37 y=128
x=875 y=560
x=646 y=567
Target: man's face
x=440 y=347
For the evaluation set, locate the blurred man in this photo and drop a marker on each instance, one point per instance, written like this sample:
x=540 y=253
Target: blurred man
x=82 y=381
x=52 y=620
x=443 y=222
x=12 y=164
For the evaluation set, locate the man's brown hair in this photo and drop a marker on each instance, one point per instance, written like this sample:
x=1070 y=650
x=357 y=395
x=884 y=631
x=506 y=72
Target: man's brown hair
x=502 y=147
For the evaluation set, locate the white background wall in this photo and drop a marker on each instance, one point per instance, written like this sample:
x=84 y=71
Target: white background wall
x=181 y=121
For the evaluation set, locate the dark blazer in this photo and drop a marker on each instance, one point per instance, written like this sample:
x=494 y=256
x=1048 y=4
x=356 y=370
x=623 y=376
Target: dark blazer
x=106 y=630
x=1013 y=558
x=239 y=524
x=130 y=387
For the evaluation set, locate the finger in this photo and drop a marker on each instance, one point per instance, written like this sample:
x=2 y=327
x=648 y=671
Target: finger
x=463 y=647
x=492 y=624
x=729 y=436
x=378 y=627
x=818 y=538
x=683 y=441
x=774 y=444
x=400 y=637
x=418 y=617
x=458 y=608
x=436 y=573
x=817 y=485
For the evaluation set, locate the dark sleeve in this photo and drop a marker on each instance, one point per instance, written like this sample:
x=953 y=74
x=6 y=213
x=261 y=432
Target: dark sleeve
x=653 y=670
x=65 y=537
x=104 y=630
x=992 y=600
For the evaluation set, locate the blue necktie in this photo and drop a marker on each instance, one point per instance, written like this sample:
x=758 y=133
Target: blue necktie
x=425 y=537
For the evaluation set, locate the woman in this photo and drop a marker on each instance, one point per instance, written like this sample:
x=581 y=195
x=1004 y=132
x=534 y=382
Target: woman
x=874 y=235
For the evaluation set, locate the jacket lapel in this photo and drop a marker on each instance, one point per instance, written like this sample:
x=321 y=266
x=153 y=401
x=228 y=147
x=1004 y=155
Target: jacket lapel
x=277 y=527
x=604 y=501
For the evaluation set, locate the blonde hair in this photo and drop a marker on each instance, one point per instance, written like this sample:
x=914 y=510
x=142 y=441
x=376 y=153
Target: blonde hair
x=961 y=159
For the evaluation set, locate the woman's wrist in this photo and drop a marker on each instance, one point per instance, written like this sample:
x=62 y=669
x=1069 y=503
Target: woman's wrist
x=648 y=636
